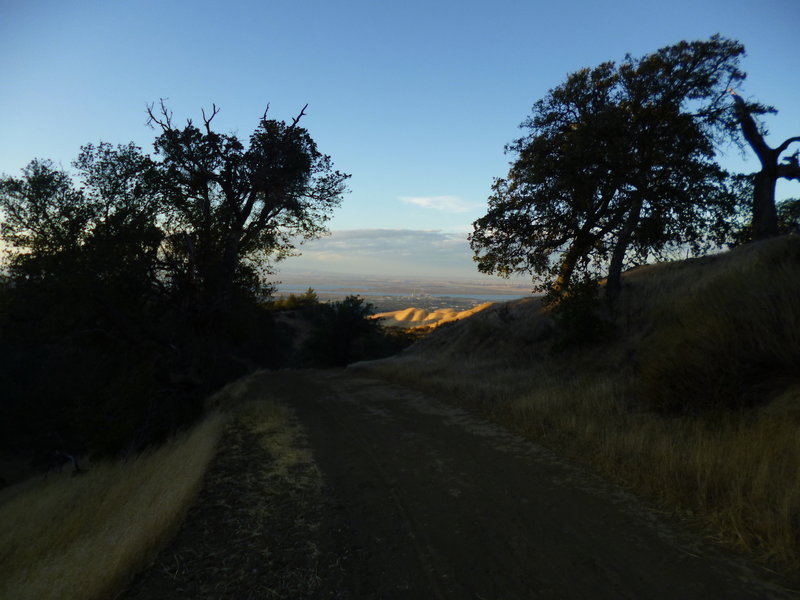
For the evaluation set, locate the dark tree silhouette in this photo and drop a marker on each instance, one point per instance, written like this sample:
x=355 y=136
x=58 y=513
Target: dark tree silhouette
x=618 y=167
x=765 y=217
x=233 y=207
x=338 y=330
x=134 y=286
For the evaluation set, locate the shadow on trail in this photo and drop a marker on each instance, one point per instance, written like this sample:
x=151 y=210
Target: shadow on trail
x=432 y=502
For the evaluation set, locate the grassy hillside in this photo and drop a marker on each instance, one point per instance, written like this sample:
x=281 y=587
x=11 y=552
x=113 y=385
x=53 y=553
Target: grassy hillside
x=84 y=537
x=87 y=537
x=419 y=318
x=691 y=397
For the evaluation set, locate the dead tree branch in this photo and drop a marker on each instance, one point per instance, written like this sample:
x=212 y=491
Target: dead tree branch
x=296 y=120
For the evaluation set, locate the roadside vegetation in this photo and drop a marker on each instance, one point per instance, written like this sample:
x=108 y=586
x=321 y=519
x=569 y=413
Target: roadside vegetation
x=254 y=529
x=67 y=536
x=334 y=334
x=691 y=396
x=85 y=537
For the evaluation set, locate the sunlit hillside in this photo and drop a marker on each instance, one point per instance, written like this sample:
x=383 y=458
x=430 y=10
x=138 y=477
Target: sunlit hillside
x=412 y=318
x=691 y=396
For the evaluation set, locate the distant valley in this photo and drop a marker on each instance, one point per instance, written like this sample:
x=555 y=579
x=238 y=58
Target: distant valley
x=397 y=294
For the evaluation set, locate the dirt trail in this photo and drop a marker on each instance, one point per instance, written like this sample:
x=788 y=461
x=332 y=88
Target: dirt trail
x=441 y=504
x=419 y=499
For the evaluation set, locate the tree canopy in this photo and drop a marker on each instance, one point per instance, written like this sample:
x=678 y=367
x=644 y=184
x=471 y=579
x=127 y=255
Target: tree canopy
x=234 y=207
x=135 y=279
x=618 y=166
x=202 y=218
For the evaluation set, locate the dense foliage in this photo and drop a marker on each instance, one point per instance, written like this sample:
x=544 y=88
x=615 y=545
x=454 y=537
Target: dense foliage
x=337 y=333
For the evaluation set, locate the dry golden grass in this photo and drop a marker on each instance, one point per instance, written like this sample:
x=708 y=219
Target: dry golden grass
x=263 y=544
x=84 y=537
x=694 y=402
x=279 y=432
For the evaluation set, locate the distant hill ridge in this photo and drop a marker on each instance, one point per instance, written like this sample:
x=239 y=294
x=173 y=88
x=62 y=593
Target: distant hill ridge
x=412 y=318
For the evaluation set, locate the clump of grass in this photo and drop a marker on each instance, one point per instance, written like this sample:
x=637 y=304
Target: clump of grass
x=84 y=537
x=694 y=401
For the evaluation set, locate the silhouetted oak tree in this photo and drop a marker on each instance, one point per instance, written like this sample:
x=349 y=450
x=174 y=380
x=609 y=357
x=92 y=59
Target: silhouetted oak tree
x=203 y=219
x=234 y=207
x=134 y=282
x=765 y=217
x=617 y=167
x=198 y=225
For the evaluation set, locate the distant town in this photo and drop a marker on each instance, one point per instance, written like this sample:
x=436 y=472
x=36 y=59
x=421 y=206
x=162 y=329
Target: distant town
x=388 y=294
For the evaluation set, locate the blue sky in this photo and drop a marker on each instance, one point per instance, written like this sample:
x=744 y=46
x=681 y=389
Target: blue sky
x=415 y=99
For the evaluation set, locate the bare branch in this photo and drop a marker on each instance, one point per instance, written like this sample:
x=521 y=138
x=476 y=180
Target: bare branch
x=789 y=171
x=164 y=121
x=207 y=120
x=151 y=118
x=266 y=110
x=296 y=120
x=750 y=129
x=786 y=144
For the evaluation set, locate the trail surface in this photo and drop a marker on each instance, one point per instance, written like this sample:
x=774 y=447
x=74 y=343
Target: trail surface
x=441 y=504
x=419 y=499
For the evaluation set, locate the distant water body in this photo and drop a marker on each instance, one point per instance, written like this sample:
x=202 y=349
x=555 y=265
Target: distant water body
x=375 y=291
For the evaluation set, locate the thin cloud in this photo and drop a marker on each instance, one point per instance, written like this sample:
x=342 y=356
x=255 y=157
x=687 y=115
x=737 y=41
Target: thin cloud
x=397 y=251
x=369 y=242
x=450 y=204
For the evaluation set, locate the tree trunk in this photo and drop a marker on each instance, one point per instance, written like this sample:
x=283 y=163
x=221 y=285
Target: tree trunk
x=614 y=280
x=569 y=261
x=565 y=271
x=765 y=217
